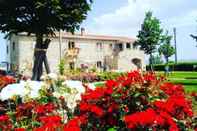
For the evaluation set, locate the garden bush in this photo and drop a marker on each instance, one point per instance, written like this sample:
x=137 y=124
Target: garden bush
x=136 y=102
x=103 y=76
x=176 y=67
x=5 y=80
x=94 y=77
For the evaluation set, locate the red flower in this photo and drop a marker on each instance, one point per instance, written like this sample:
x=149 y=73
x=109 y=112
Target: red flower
x=50 y=119
x=171 y=89
x=150 y=118
x=42 y=109
x=112 y=107
x=5 y=123
x=84 y=106
x=4 y=118
x=177 y=106
x=72 y=129
x=75 y=123
x=19 y=129
x=111 y=83
x=97 y=110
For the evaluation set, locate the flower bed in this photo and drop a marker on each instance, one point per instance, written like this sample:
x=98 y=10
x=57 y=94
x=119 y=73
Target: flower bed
x=90 y=77
x=5 y=80
x=134 y=101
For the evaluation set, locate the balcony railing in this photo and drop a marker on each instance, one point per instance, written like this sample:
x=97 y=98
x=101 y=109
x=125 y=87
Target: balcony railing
x=72 y=52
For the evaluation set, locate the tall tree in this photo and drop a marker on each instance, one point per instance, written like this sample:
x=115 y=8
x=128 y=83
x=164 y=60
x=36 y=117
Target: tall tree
x=194 y=37
x=149 y=36
x=166 y=49
x=42 y=18
x=156 y=59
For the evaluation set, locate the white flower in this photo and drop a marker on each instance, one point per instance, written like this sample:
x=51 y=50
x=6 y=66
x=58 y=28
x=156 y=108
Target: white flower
x=23 y=88
x=53 y=76
x=57 y=94
x=75 y=85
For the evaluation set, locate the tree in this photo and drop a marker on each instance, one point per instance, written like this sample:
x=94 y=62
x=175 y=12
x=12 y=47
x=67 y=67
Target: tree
x=156 y=59
x=194 y=37
x=42 y=18
x=149 y=36
x=166 y=49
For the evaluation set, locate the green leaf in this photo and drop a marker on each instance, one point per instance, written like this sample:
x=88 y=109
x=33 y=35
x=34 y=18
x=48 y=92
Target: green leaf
x=137 y=94
x=112 y=129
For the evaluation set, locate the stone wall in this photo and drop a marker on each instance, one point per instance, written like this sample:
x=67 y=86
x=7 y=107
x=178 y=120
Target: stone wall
x=89 y=53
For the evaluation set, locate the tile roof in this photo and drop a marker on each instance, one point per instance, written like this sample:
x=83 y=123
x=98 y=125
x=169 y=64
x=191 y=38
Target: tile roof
x=92 y=37
x=98 y=37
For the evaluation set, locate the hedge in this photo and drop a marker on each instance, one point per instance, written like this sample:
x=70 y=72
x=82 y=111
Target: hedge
x=176 y=67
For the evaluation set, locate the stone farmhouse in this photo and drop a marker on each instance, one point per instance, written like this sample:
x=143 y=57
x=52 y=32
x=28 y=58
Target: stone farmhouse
x=78 y=51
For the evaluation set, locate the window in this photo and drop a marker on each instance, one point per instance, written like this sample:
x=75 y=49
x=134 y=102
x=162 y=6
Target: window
x=128 y=45
x=34 y=45
x=72 y=65
x=99 y=46
x=111 y=46
x=120 y=47
x=99 y=64
x=71 y=45
x=13 y=46
x=135 y=47
x=7 y=49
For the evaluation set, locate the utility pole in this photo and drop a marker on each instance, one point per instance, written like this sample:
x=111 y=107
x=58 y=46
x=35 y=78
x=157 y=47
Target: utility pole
x=60 y=45
x=174 y=30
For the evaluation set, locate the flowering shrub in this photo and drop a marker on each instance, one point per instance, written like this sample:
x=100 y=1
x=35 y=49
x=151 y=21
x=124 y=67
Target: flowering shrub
x=48 y=110
x=134 y=101
x=94 y=77
x=5 y=80
x=138 y=102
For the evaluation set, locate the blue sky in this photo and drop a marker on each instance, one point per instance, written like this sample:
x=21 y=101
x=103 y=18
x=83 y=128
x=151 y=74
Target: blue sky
x=124 y=18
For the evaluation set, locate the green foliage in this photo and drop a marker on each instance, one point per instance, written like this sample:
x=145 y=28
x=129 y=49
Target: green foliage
x=150 y=34
x=42 y=16
x=186 y=66
x=61 y=67
x=112 y=129
x=103 y=76
x=194 y=37
x=156 y=59
x=166 y=49
x=93 y=69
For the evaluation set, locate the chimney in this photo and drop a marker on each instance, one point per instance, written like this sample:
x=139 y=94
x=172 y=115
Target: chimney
x=82 y=31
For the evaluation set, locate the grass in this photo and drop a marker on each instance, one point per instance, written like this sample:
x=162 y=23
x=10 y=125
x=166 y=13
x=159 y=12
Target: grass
x=187 y=79
x=99 y=84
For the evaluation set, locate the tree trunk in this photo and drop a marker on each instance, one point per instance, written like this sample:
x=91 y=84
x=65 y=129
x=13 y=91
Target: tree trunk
x=167 y=60
x=151 y=62
x=40 y=57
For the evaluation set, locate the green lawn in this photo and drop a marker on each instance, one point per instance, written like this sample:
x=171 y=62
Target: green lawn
x=99 y=84
x=187 y=79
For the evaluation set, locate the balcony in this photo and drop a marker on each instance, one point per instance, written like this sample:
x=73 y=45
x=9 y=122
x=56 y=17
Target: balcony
x=73 y=52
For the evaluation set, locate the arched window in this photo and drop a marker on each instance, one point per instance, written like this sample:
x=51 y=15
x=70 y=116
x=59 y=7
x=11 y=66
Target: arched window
x=13 y=46
x=137 y=62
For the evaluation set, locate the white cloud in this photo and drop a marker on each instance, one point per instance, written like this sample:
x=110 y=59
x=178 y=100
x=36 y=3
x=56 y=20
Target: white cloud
x=187 y=19
x=127 y=19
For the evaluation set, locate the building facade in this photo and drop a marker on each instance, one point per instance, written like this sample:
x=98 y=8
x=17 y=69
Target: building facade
x=78 y=51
